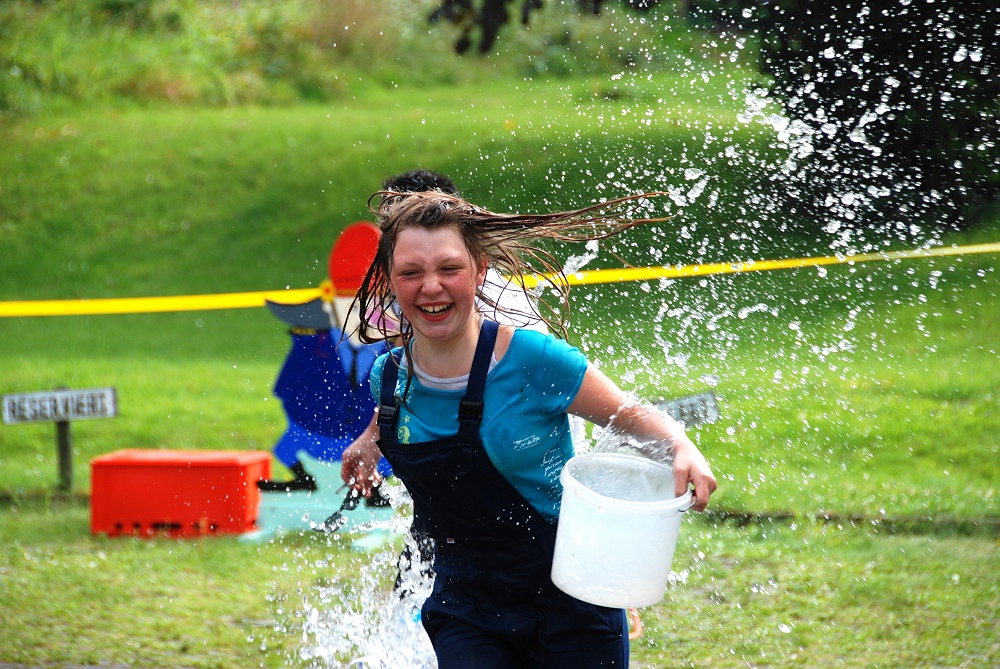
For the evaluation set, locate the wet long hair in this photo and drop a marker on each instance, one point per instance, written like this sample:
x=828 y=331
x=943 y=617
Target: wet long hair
x=511 y=244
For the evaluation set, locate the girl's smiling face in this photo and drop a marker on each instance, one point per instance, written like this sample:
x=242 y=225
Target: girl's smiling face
x=435 y=280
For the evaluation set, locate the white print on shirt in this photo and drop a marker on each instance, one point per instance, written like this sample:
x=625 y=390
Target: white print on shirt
x=527 y=442
x=552 y=464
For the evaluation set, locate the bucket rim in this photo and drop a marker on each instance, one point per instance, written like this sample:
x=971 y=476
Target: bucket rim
x=680 y=504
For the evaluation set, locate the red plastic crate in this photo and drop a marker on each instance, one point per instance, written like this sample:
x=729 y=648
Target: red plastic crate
x=176 y=493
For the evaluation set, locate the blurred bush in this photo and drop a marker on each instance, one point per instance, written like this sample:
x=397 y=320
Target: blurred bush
x=221 y=52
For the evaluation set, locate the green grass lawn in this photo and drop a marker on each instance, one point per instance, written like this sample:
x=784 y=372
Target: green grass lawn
x=869 y=390
x=252 y=199
x=778 y=595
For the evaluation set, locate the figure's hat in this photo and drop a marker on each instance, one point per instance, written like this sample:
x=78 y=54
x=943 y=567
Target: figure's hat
x=351 y=256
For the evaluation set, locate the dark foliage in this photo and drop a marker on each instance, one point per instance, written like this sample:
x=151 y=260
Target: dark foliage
x=905 y=96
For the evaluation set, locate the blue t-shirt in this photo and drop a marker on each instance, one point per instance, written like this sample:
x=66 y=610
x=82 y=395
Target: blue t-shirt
x=525 y=428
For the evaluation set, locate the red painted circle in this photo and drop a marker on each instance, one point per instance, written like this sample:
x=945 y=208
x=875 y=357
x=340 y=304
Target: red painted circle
x=351 y=256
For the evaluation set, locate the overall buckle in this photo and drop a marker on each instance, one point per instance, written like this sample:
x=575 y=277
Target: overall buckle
x=387 y=415
x=470 y=411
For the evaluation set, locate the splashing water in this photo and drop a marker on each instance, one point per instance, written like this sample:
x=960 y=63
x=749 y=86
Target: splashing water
x=578 y=262
x=384 y=634
x=372 y=621
x=608 y=440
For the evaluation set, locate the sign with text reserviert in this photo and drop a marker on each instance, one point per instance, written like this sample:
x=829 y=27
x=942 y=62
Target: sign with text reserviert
x=59 y=405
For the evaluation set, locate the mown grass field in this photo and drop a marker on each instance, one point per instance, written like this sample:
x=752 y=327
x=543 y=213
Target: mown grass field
x=785 y=594
x=866 y=391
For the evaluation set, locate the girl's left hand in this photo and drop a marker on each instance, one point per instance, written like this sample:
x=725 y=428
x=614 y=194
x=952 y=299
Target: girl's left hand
x=691 y=469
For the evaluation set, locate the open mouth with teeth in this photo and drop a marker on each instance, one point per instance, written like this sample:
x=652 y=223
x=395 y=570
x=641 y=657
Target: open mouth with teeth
x=436 y=309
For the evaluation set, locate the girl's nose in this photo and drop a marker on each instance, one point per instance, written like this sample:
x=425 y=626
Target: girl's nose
x=431 y=283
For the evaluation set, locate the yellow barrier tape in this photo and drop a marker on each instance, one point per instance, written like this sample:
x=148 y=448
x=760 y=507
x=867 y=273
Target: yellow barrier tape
x=688 y=271
x=139 y=305
x=147 y=305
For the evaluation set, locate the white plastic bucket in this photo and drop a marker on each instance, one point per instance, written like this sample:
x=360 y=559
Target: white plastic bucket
x=617 y=530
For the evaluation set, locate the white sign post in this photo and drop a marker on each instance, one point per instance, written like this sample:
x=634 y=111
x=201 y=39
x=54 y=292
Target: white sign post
x=693 y=410
x=60 y=406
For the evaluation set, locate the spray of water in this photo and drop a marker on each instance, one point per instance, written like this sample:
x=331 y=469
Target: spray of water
x=371 y=619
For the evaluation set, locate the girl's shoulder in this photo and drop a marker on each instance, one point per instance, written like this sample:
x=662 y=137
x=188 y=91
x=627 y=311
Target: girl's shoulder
x=533 y=348
x=530 y=337
x=534 y=340
x=380 y=363
x=510 y=337
x=518 y=343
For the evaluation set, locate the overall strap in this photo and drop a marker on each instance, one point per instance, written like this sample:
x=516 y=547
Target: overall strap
x=470 y=409
x=388 y=410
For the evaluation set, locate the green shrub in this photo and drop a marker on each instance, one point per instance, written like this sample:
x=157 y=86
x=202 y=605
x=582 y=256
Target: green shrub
x=183 y=52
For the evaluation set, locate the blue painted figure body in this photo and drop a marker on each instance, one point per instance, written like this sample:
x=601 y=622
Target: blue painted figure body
x=323 y=388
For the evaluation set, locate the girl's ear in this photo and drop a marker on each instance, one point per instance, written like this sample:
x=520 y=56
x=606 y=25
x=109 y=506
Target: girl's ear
x=484 y=263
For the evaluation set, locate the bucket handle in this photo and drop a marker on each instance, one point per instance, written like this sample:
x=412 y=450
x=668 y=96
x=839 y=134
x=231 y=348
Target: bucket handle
x=691 y=505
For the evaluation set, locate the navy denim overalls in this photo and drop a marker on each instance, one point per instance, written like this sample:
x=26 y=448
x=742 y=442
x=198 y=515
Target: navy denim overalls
x=494 y=604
